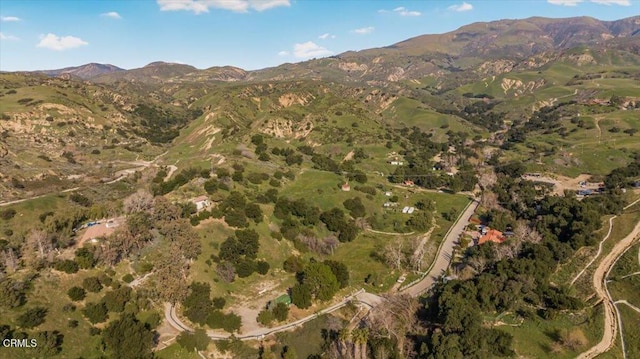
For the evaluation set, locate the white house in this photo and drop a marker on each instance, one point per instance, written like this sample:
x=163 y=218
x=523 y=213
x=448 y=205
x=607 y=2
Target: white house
x=201 y=202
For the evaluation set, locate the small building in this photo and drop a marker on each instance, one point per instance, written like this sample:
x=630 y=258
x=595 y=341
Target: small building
x=492 y=235
x=396 y=163
x=100 y=229
x=410 y=210
x=387 y=193
x=409 y=183
x=346 y=187
x=636 y=184
x=405 y=210
x=285 y=298
x=201 y=202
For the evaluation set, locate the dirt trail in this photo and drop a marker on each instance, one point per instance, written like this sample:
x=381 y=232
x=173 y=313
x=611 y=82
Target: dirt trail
x=599 y=283
x=597 y=253
x=597 y=122
x=602 y=242
x=349 y=156
x=172 y=169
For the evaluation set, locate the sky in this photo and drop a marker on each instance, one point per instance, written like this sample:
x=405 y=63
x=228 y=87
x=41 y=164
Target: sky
x=251 y=34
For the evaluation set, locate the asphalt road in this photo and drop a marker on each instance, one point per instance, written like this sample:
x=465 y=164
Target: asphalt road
x=445 y=252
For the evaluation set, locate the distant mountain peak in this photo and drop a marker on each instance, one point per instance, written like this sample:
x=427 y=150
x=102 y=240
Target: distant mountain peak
x=164 y=63
x=85 y=72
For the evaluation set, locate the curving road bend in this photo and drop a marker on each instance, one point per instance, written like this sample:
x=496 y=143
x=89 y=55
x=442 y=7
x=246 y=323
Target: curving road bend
x=611 y=321
x=445 y=252
x=369 y=299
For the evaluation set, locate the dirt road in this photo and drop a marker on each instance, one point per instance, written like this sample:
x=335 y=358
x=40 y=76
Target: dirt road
x=600 y=285
x=601 y=242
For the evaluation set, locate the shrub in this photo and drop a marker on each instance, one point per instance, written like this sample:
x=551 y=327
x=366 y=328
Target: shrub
x=219 y=302
x=245 y=268
x=265 y=317
x=281 y=312
x=262 y=267
x=32 y=317
x=92 y=284
x=229 y=322
x=67 y=266
x=7 y=214
x=115 y=300
x=127 y=278
x=76 y=293
x=293 y=264
x=96 y=312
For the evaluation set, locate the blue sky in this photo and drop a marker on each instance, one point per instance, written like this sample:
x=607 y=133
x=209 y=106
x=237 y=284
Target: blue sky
x=250 y=34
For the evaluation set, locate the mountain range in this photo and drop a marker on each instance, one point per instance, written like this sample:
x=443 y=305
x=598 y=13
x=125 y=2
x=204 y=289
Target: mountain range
x=474 y=45
x=480 y=78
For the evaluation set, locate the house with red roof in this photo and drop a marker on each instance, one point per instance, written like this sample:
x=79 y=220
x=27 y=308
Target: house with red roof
x=492 y=235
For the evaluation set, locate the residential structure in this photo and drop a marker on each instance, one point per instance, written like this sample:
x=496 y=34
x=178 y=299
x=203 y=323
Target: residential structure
x=492 y=235
x=201 y=202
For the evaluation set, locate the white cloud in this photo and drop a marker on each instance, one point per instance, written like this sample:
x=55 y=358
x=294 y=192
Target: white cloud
x=283 y=53
x=202 y=6
x=8 y=37
x=112 y=15
x=261 y=5
x=326 y=36
x=364 y=30
x=10 y=18
x=309 y=49
x=59 y=43
x=403 y=11
x=465 y=6
x=565 y=2
x=613 y=2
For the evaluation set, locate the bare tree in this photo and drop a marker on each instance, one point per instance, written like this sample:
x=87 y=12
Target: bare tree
x=418 y=253
x=37 y=247
x=109 y=252
x=226 y=272
x=394 y=254
x=478 y=263
x=526 y=233
x=141 y=201
x=487 y=179
x=394 y=318
x=9 y=260
x=489 y=200
x=171 y=272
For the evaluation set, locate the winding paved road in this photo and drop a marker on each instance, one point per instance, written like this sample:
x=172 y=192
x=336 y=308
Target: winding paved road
x=440 y=264
x=445 y=252
x=369 y=299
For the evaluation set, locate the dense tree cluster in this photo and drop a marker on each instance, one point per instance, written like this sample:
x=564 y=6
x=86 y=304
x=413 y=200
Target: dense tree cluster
x=335 y=221
x=240 y=251
x=127 y=337
x=161 y=125
x=319 y=281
